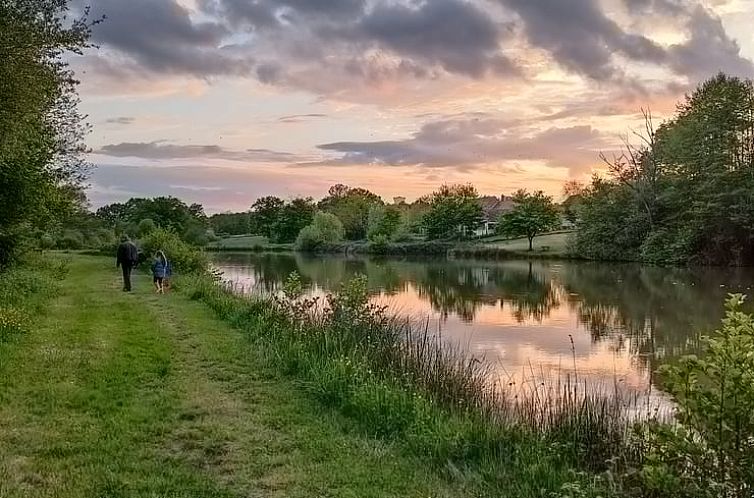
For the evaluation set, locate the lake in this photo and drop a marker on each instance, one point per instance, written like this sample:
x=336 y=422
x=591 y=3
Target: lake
x=610 y=324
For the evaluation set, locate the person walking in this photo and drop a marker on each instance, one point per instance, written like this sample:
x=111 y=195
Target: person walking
x=160 y=270
x=126 y=258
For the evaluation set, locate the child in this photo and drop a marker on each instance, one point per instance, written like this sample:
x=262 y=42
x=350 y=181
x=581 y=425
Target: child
x=159 y=271
x=168 y=274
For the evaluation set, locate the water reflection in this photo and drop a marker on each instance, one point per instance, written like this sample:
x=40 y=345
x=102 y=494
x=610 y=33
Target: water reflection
x=614 y=321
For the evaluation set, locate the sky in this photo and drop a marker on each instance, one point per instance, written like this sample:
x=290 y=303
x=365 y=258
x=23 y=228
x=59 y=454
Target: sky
x=224 y=101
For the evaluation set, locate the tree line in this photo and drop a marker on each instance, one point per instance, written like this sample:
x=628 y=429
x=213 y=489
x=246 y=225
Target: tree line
x=453 y=212
x=42 y=164
x=682 y=192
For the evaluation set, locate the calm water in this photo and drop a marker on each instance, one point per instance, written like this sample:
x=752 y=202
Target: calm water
x=615 y=322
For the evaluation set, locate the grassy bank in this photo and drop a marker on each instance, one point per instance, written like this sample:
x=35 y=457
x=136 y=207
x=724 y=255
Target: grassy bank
x=246 y=243
x=109 y=394
x=548 y=246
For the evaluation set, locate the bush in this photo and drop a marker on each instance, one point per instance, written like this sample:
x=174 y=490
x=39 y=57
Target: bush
x=71 y=239
x=326 y=228
x=379 y=244
x=145 y=227
x=715 y=395
x=46 y=241
x=184 y=258
x=196 y=235
x=384 y=222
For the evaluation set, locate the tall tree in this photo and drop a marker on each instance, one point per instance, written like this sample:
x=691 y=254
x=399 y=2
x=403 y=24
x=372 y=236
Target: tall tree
x=533 y=214
x=230 y=223
x=264 y=214
x=454 y=211
x=687 y=193
x=351 y=206
x=41 y=130
x=293 y=216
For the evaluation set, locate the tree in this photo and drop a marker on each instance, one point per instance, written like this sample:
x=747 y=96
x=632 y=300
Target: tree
x=384 y=222
x=264 y=214
x=146 y=226
x=454 y=211
x=686 y=192
x=534 y=213
x=574 y=197
x=326 y=228
x=293 y=217
x=112 y=214
x=230 y=223
x=351 y=206
x=41 y=130
x=197 y=211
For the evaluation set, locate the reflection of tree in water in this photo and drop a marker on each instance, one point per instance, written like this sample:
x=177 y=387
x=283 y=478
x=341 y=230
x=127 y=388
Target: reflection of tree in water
x=461 y=287
x=452 y=288
x=531 y=295
x=268 y=270
x=661 y=311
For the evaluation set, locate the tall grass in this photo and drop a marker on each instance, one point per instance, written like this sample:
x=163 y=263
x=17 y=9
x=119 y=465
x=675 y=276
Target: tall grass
x=24 y=289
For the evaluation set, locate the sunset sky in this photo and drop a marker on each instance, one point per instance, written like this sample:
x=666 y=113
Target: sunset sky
x=223 y=101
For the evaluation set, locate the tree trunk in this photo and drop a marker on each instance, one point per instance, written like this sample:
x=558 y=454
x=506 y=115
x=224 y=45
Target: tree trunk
x=531 y=241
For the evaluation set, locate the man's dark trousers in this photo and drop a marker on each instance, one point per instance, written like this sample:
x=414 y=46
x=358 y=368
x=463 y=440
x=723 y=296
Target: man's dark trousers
x=126 y=276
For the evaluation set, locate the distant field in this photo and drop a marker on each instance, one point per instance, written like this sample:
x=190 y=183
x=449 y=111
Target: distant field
x=239 y=242
x=554 y=242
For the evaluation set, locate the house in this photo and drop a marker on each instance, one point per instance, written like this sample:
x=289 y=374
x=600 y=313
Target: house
x=492 y=208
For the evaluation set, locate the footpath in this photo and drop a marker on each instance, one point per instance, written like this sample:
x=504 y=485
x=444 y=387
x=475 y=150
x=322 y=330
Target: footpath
x=142 y=395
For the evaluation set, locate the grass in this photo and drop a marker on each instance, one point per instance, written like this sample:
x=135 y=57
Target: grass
x=551 y=242
x=137 y=395
x=552 y=245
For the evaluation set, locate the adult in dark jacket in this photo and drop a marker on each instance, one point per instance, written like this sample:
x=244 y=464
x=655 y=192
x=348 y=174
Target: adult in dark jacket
x=127 y=257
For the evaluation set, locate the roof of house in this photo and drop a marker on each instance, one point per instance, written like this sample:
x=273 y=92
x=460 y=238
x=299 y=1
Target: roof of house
x=493 y=207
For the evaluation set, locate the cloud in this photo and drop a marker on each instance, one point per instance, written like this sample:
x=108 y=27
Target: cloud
x=161 y=150
x=299 y=118
x=709 y=49
x=467 y=143
x=215 y=187
x=162 y=37
x=653 y=7
x=456 y=35
x=581 y=37
x=345 y=48
x=121 y=120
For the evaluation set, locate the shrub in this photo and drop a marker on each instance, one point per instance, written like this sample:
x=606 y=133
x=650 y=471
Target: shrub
x=383 y=223
x=196 y=235
x=145 y=227
x=715 y=395
x=46 y=241
x=71 y=239
x=379 y=244
x=184 y=258
x=326 y=228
